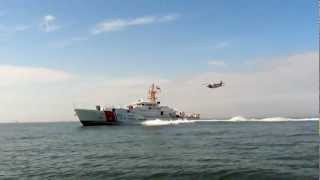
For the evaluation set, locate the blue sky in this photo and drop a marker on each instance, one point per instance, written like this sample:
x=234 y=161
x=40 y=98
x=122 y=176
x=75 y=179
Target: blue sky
x=55 y=53
x=234 y=32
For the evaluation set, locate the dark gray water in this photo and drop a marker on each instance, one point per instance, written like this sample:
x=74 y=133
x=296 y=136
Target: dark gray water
x=204 y=150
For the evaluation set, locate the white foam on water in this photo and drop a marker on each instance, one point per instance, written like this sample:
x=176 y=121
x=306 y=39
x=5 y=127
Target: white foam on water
x=283 y=119
x=238 y=118
x=159 y=122
x=271 y=119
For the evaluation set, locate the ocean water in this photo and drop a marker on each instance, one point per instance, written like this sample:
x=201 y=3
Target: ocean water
x=209 y=149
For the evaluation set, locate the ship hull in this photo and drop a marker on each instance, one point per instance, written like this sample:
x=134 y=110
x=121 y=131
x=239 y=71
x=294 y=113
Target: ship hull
x=89 y=117
x=97 y=123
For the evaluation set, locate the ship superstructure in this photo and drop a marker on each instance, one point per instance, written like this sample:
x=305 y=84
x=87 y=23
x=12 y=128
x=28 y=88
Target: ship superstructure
x=152 y=109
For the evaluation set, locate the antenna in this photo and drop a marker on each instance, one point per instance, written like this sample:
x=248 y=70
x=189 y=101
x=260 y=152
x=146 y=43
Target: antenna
x=152 y=93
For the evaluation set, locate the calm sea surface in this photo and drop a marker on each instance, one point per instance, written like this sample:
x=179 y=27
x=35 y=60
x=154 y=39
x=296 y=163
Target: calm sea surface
x=202 y=150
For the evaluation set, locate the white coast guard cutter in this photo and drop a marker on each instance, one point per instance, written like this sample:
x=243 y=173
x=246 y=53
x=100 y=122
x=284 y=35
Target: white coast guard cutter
x=138 y=111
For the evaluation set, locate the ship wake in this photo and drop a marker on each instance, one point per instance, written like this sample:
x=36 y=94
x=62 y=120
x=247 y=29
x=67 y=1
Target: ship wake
x=270 y=119
x=159 y=122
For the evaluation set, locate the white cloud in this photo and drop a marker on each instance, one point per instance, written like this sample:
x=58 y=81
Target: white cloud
x=49 y=23
x=23 y=75
x=169 y=17
x=53 y=100
x=134 y=81
x=113 y=91
x=282 y=86
x=33 y=93
x=216 y=63
x=141 y=21
x=118 y=24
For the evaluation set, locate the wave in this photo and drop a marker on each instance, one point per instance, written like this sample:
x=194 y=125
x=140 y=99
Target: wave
x=159 y=122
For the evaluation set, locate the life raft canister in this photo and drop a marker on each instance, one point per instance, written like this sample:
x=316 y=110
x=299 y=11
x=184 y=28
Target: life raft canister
x=110 y=116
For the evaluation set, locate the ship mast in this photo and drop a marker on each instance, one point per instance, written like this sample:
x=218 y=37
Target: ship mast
x=152 y=93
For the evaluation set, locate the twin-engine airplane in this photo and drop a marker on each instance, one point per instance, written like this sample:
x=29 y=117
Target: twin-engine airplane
x=215 y=85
